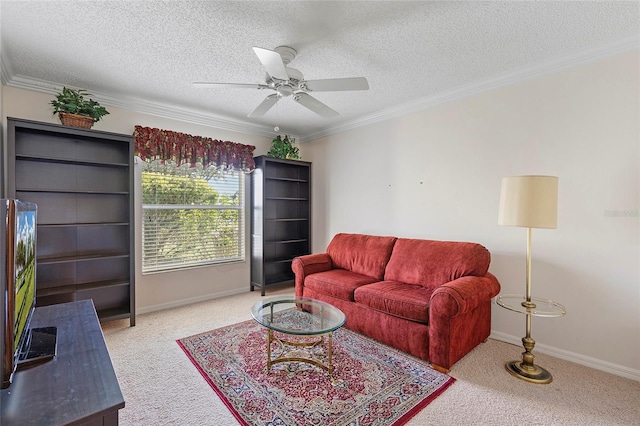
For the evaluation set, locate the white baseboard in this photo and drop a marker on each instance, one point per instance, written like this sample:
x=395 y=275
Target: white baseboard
x=183 y=302
x=598 y=364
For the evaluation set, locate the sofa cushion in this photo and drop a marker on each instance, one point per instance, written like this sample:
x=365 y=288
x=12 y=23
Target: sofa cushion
x=402 y=300
x=433 y=263
x=337 y=283
x=363 y=254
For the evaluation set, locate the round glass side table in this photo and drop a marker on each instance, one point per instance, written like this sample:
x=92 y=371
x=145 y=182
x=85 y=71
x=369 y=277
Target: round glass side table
x=542 y=308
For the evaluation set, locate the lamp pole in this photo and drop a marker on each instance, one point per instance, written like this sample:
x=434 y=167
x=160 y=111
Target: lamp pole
x=526 y=369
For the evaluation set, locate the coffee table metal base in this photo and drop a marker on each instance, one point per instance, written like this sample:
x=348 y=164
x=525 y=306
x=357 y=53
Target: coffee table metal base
x=327 y=367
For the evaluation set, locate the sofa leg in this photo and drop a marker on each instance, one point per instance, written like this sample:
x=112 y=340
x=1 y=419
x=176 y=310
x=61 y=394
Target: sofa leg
x=440 y=369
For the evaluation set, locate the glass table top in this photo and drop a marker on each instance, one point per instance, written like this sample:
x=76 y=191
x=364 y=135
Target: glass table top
x=298 y=315
x=543 y=307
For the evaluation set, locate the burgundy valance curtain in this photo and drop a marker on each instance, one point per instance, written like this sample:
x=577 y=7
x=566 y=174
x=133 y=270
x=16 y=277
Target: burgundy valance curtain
x=181 y=148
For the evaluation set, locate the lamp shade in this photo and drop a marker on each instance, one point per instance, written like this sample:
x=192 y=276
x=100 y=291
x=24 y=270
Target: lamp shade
x=529 y=201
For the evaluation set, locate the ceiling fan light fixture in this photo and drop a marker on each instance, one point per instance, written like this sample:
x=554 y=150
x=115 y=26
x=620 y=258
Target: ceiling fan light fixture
x=285 y=90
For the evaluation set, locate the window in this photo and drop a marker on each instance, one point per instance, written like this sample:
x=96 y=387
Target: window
x=192 y=216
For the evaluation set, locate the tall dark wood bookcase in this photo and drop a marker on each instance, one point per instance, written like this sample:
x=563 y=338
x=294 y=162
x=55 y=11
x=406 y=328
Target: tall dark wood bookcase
x=82 y=182
x=280 y=219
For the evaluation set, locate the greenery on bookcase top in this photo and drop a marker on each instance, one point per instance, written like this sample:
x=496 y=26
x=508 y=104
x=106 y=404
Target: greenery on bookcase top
x=283 y=148
x=77 y=102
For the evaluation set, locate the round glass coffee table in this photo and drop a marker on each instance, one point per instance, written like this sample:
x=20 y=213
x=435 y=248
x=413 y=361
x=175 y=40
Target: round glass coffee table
x=288 y=319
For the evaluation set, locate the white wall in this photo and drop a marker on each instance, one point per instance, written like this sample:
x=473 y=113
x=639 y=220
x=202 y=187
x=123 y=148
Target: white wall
x=159 y=290
x=436 y=174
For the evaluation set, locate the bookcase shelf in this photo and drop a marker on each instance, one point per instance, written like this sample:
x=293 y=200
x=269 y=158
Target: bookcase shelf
x=45 y=159
x=72 y=191
x=75 y=225
x=81 y=286
x=286 y=179
x=280 y=219
x=82 y=182
x=80 y=258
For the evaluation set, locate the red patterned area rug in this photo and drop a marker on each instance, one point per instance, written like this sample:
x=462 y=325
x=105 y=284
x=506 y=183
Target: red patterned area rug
x=373 y=384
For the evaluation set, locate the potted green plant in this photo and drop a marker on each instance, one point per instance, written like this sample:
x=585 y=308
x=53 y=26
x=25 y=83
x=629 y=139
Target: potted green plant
x=283 y=148
x=75 y=108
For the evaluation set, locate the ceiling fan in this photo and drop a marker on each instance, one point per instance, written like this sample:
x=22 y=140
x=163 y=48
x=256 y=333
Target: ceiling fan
x=287 y=81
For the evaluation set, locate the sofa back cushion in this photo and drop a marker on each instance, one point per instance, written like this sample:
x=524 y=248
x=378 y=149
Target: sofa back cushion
x=433 y=263
x=364 y=254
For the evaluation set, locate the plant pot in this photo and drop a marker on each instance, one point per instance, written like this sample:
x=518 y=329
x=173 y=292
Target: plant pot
x=75 y=120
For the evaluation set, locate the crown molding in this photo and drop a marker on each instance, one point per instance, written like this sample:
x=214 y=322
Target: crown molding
x=504 y=79
x=207 y=119
x=5 y=67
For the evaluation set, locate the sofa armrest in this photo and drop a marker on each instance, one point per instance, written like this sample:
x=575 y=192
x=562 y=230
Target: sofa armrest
x=460 y=318
x=303 y=266
x=463 y=295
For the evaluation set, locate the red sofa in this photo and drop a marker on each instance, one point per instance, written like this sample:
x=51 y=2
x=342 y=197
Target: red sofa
x=431 y=299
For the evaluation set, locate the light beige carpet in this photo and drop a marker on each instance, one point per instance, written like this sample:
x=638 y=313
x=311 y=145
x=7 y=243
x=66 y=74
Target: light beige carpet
x=161 y=387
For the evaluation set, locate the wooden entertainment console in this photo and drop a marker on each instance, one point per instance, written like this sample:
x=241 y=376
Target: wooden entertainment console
x=79 y=386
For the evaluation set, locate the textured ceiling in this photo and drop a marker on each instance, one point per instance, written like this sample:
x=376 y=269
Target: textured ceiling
x=145 y=54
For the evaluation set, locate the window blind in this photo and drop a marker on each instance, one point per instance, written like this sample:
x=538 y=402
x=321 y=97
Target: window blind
x=191 y=216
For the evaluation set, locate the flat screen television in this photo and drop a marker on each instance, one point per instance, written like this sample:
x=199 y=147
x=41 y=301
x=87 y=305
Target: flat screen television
x=20 y=343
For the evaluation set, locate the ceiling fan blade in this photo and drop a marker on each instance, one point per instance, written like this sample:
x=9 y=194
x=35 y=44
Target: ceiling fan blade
x=337 y=84
x=265 y=105
x=272 y=62
x=206 y=85
x=314 y=105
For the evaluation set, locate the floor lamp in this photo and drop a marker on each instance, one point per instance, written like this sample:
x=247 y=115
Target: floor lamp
x=530 y=202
